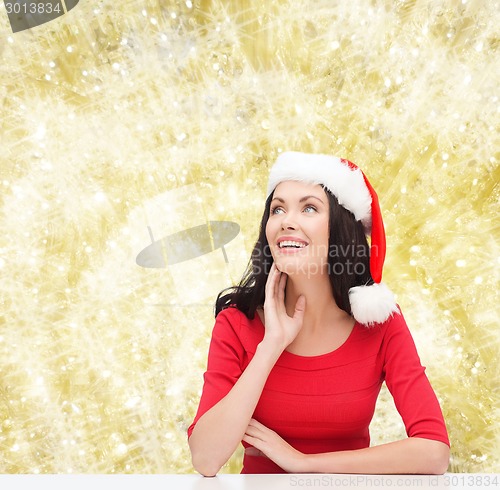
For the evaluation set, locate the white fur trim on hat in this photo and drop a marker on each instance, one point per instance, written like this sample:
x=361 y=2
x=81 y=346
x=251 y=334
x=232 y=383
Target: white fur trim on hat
x=344 y=182
x=372 y=304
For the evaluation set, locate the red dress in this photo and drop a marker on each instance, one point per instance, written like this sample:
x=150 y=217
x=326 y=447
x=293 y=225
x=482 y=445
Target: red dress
x=324 y=403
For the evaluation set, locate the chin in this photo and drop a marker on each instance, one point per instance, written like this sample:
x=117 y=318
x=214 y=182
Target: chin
x=285 y=266
x=299 y=268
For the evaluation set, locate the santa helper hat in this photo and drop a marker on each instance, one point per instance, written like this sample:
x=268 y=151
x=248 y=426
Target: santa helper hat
x=369 y=304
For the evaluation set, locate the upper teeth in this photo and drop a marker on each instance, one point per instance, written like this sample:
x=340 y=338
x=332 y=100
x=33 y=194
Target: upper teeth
x=289 y=243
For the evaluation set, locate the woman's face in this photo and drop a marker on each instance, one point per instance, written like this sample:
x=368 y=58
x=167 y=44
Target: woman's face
x=298 y=228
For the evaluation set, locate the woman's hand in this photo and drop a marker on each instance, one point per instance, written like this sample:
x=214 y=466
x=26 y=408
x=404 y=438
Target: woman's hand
x=274 y=447
x=280 y=327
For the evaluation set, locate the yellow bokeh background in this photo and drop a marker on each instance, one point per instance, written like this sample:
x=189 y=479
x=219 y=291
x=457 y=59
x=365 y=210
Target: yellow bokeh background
x=120 y=116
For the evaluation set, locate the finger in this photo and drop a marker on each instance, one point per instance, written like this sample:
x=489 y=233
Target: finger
x=279 y=282
x=300 y=307
x=276 y=283
x=269 y=290
x=272 y=292
x=253 y=432
x=256 y=442
x=253 y=451
x=256 y=423
x=281 y=289
x=256 y=429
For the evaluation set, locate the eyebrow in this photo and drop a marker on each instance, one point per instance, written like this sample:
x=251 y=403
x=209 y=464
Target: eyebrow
x=305 y=198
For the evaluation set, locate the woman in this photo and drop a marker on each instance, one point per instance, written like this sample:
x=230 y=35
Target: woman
x=301 y=346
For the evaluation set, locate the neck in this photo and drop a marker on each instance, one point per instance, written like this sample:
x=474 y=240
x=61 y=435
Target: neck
x=320 y=303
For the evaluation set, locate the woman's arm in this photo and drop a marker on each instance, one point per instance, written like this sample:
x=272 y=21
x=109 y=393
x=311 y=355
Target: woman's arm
x=408 y=456
x=218 y=431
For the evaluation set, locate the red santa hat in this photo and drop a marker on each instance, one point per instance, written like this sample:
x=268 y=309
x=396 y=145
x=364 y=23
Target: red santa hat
x=369 y=304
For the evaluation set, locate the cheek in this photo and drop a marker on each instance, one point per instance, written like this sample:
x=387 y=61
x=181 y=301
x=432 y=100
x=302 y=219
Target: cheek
x=321 y=231
x=323 y=237
x=270 y=232
x=326 y=233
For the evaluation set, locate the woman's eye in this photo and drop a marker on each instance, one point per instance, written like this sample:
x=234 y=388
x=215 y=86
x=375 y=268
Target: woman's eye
x=277 y=210
x=309 y=209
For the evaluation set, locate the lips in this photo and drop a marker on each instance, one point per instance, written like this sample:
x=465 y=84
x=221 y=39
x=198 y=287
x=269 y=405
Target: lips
x=291 y=243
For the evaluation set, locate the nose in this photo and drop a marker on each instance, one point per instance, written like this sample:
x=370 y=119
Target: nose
x=288 y=223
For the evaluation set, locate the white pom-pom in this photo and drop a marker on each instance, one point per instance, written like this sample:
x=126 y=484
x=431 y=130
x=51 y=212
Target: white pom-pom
x=372 y=304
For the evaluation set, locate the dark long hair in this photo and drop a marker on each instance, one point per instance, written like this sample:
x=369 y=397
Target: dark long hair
x=348 y=262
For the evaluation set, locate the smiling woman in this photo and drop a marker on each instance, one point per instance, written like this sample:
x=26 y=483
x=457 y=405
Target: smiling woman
x=297 y=229
x=301 y=347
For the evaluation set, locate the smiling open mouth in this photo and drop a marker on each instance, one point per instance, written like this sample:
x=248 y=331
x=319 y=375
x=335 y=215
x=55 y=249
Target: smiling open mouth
x=291 y=244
